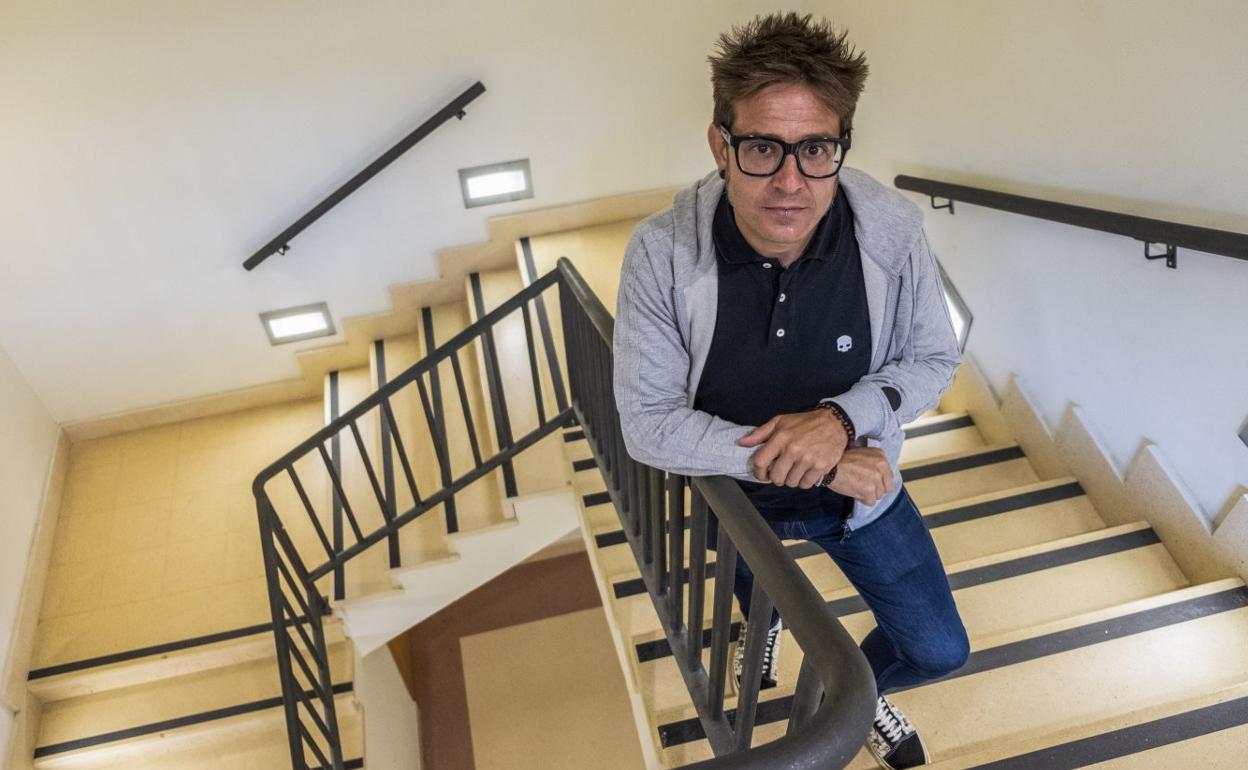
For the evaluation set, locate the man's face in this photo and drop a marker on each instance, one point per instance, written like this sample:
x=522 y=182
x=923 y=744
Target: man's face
x=777 y=214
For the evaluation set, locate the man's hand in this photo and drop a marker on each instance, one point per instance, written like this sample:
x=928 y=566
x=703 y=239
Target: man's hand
x=797 y=449
x=863 y=474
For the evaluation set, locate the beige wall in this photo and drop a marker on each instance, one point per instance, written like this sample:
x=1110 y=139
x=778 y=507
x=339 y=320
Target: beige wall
x=29 y=441
x=1131 y=105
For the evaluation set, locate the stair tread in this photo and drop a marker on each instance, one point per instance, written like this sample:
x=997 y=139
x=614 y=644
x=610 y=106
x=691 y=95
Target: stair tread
x=1206 y=731
x=1018 y=591
x=1062 y=674
x=172 y=697
x=1041 y=526
x=247 y=726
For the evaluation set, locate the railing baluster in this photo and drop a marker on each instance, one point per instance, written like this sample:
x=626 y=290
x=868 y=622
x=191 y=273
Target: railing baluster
x=398 y=446
x=463 y=401
x=752 y=670
x=697 y=575
x=382 y=503
x=806 y=698
x=336 y=480
x=387 y=459
x=537 y=380
x=494 y=386
x=438 y=429
x=676 y=549
x=327 y=683
x=721 y=620
x=658 y=517
x=307 y=504
x=268 y=548
x=316 y=749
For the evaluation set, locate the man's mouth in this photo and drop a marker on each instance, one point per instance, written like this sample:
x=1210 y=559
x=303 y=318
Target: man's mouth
x=785 y=209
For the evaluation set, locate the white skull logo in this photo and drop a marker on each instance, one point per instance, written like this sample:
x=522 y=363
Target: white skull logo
x=844 y=343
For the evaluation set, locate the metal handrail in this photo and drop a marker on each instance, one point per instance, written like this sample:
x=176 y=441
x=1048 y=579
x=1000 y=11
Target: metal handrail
x=1172 y=235
x=280 y=244
x=294 y=580
x=823 y=732
x=835 y=693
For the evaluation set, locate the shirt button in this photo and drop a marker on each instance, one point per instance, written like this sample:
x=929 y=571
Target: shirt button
x=782 y=297
x=767 y=265
x=779 y=332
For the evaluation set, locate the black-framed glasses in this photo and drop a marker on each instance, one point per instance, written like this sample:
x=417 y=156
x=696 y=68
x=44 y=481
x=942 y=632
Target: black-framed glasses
x=818 y=157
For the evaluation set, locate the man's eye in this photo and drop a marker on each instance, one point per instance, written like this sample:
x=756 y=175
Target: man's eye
x=762 y=149
x=816 y=150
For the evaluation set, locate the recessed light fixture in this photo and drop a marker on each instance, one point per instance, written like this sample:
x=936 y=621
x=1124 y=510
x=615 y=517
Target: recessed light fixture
x=496 y=183
x=297 y=323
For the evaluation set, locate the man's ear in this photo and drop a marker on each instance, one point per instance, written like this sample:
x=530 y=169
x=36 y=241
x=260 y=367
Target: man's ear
x=719 y=149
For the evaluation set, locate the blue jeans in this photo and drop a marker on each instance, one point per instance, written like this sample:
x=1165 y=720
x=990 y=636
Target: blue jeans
x=893 y=564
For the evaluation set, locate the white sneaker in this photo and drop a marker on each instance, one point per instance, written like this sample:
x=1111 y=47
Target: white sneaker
x=893 y=741
x=771 y=657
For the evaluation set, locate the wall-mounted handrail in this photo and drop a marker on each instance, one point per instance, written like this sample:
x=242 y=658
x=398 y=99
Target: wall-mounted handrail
x=1173 y=235
x=281 y=243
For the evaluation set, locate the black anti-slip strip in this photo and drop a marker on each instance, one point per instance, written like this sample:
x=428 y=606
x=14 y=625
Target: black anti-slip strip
x=1003 y=505
x=574 y=435
x=614 y=537
x=964 y=421
x=659 y=648
x=584 y=465
x=684 y=731
x=596 y=498
x=1129 y=740
x=350 y=764
x=976 y=460
x=143 y=652
x=171 y=724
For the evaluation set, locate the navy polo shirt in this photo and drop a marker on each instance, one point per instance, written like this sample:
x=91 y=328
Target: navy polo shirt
x=786 y=338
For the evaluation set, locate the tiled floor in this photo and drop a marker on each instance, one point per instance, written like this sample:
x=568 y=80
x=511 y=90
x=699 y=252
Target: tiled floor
x=157 y=539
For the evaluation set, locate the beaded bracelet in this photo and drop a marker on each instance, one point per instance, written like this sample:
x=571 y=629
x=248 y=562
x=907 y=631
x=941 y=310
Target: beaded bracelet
x=850 y=435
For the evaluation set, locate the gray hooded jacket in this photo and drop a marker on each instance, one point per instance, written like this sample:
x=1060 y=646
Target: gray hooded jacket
x=665 y=320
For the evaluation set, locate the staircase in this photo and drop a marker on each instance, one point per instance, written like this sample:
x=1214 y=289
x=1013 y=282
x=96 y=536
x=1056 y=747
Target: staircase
x=1089 y=643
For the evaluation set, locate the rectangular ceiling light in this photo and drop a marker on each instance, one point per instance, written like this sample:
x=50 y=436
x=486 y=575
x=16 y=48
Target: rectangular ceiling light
x=496 y=183
x=297 y=323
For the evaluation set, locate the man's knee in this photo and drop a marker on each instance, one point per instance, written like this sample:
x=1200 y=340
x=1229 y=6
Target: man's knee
x=940 y=655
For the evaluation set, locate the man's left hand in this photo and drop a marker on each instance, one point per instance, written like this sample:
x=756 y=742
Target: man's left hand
x=796 y=449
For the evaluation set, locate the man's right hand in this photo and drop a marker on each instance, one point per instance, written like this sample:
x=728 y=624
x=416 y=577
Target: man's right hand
x=863 y=474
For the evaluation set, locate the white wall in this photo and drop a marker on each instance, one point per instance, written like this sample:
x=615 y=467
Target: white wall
x=149 y=147
x=1131 y=105
x=391 y=721
x=26 y=448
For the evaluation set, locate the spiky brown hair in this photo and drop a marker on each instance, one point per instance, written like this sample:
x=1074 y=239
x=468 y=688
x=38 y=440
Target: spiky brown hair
x=787 y=48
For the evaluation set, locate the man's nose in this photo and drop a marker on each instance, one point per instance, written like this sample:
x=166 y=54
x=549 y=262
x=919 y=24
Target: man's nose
x=788 y=179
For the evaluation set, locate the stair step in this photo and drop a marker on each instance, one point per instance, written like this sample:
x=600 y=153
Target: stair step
x=1054 y=676
x=152 y=664
x=121 y=709
x=995 y=595
x=940 y=435
x=955 y=476
x=1036 y=515
x=1209 y=731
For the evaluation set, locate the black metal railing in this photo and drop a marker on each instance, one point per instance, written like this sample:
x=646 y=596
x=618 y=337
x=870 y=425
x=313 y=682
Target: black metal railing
x=324 y=505
x=280 y=244
x=834 y=700
x=1170 y=235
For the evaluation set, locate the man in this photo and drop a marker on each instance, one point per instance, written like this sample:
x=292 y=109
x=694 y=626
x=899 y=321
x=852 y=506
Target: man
x=778 y=325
